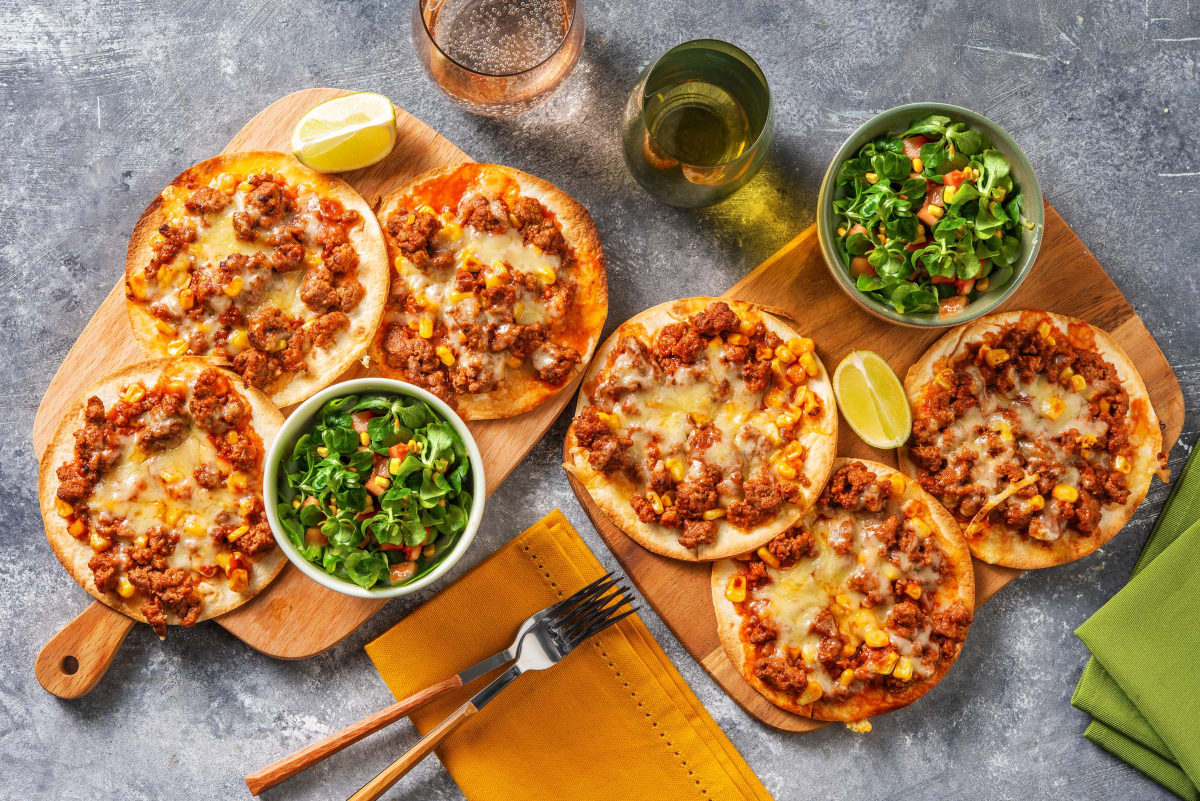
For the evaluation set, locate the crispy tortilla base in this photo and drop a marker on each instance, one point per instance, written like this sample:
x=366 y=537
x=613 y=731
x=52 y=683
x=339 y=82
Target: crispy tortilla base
x=349 y=344
x=612 y=493
x=74 y=554
x=959 y=585
x=519 y=391
x=1000 y=545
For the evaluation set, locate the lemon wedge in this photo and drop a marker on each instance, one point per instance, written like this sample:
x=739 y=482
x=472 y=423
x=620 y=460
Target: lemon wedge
x=346 y=133
x=872 y=400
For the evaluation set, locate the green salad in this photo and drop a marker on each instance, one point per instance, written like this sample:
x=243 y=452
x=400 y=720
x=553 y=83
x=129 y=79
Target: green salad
x=928 y=218
x=376 y=490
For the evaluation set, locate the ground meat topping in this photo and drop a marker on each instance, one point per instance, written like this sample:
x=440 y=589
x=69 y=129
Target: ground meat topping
x=1047 y=405
x=884 y=575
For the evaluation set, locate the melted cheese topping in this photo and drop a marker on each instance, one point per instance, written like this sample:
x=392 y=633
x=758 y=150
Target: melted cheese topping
x=797 y=595
x=1021 y=429
x=494 y=257
x=215 y=241
x=159 y=488
x=776 y=428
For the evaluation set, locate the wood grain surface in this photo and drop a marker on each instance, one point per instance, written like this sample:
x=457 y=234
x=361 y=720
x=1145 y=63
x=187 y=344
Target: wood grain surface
x=294 y=617
x=1066 y=279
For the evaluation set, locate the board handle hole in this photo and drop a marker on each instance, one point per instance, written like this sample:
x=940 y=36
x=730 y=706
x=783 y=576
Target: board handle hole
x=70 y=665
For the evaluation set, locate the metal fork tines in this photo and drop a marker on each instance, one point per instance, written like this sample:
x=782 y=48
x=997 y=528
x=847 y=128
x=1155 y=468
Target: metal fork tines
x=548 y=637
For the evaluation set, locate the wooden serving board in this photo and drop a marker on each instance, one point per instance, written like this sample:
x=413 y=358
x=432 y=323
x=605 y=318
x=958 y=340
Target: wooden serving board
x=1066 y=279
x=294 y=617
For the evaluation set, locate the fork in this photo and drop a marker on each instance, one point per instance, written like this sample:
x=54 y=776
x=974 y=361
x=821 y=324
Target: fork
x=546 y=642
x=294 y=763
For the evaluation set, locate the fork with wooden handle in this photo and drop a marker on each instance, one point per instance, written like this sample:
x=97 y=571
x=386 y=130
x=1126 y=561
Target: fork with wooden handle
x=544 y=645
x=273 y=774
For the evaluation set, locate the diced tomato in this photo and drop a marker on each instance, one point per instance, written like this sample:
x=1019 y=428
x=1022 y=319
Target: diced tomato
x=387 y=546
x=954 y=178
x=313 y=536
x=857 y=228
x=402 y=572
x=951 y=306
x=310 y=501
x=860 y=266
x=411 y=552
x=941 y=279
x=398 y=451
x=933 y=197
x=359 y=420
x=964 y=285
x=912 y=145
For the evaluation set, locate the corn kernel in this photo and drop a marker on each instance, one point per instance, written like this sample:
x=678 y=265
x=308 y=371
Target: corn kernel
x=786 y=470
x=668 y=501
x=1052 y=407
x=772 y=434
x=738 y=339
x=841 y=231
x=809 y=364
x=811 y=694
x=784 y=354
x=903 y=669
x=237 y=532
x=877 y=638
x=137 y=286
x=859 y=726
x=745 y=326
x=452 y=230
x=774 y=398
x=767 y=556
x=98 y=541
x=983 y=283
x=1043 y=329
x=793 y=451
x=612 y=420
x=77 y=529
x=913 y=591
x=936 y=212
x=800 y=345
x=676 y=468
x=1036 y=503
x=245 y=506
x=898 y=483
x=919 y=527
x=655 y=501
x=234 y=287
x=124 y=588
x=1065 y=492
x=445 y=354
x=735 y=590
x=890 y=571
x=164 y=328
x=1121 y=464
x=917 y=164
x=382 y=482
x=239 y=580
x=364 y=438
x=847 y=677
x=764 y=353
x=849 y=648
x=713 y=514
x=513 y=361
x=64 y=509
x=873 y=177
x=785 y=420
x=394 y=465
x=425 y=328
x=995 y=357
x=810 y=651
x=236 y=481
x=948 y=194
x=176 y=347
x=1078 y=383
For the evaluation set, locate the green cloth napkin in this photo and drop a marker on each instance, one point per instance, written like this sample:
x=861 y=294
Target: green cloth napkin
x=1146 y=652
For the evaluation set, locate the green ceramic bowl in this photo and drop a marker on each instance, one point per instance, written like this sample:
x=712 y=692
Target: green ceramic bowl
x=894 y=121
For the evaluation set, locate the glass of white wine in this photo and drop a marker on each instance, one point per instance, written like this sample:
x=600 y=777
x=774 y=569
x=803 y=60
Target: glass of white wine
x=698 y=124
x=498 y=57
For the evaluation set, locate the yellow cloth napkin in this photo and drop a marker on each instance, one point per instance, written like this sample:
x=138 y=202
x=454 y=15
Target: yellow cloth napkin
x=613 y=720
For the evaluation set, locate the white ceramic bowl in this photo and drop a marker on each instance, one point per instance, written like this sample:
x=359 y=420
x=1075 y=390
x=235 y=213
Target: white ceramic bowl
x=298 y=422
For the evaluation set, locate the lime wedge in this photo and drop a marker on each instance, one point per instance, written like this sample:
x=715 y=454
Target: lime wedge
x=872 y=400
x=346 y=133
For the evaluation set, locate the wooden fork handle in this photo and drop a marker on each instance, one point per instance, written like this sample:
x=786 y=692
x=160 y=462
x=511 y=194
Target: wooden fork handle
x=305 y=758
x=393 y=772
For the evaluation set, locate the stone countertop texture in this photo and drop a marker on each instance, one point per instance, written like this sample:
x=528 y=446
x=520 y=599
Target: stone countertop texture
x=102 y=103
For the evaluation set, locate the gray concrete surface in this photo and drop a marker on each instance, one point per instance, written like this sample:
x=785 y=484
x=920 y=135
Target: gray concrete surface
x=102 y=102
